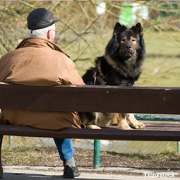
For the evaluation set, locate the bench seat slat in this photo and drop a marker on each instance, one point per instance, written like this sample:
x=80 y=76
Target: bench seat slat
x=148 y=134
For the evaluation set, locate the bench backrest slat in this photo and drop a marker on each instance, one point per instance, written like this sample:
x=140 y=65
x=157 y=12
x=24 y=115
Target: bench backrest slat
x=91 y=98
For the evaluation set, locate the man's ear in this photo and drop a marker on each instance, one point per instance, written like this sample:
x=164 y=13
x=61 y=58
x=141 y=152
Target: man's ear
x=49 y=35
x=119 y=28
x=138 y=28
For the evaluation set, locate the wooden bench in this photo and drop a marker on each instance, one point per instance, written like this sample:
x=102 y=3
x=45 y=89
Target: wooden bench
x=145 y=100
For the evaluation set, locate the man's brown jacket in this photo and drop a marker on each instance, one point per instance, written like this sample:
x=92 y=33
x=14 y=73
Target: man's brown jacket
x=39 y=62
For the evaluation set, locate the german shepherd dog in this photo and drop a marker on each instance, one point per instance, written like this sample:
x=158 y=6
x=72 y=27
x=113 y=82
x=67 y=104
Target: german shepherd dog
x=120 y=66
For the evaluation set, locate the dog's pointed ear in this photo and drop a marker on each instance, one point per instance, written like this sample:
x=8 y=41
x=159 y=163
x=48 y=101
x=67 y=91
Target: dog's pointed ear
x=138 y=28
x=119 y=28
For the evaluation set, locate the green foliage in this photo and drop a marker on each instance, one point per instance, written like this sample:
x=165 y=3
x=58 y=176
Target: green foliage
x=168 y=152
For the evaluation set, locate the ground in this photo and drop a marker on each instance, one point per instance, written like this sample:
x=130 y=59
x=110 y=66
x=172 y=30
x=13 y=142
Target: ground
x=48 y=156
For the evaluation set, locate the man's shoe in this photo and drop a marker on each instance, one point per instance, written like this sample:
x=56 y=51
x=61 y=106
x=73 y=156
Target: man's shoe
x=70 y=172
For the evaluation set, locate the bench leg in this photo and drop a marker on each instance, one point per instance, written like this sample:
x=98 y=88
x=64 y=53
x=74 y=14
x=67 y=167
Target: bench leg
x=1 y=169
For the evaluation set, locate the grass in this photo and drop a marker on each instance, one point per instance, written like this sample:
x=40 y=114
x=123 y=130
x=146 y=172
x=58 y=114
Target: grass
x=165 y=155
x=156 y=159
x=169 y=153
x=136 y=158
x=20 y=154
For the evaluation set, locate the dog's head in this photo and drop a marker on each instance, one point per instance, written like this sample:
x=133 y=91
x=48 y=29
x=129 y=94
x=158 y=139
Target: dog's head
x=126 y=43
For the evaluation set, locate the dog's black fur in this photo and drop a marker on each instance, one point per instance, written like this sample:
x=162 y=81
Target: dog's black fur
x=122 y=63
x=127 y=62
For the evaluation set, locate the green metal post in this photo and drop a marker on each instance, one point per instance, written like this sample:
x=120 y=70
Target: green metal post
x=96 y=153
x=10 y=140
x=178 y=147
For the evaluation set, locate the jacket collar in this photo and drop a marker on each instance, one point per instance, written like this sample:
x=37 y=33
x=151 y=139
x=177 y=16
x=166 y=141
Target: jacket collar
x=39 y=42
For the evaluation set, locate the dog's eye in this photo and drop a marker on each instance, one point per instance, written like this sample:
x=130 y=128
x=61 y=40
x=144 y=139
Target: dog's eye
x=123 y=40
x=133 y=40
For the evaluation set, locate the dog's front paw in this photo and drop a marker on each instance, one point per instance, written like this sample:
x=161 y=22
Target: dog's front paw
x=124 y=125
x=134 y=122
x=93 y=127
x=138 y=125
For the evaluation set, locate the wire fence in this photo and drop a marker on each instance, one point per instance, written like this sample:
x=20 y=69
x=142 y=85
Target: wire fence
x=83 y=32
x=140 y=147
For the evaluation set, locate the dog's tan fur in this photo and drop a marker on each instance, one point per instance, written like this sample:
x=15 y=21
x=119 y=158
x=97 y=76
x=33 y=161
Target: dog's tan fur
x=122 y=120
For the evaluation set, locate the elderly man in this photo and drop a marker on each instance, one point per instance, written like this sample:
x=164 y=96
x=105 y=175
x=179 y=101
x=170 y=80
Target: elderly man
x=37 y=61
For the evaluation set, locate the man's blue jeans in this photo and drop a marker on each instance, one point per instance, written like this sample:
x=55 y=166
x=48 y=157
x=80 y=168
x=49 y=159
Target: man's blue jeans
x=64 y=147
